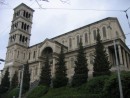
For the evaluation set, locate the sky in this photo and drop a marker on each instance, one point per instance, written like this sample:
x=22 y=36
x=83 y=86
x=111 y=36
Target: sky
x=49 y=22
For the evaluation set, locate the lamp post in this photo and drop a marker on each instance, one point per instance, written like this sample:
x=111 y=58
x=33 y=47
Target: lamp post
x=21 y=83
x=118 y=71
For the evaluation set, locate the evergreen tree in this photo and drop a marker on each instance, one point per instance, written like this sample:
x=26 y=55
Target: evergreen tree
x=101 y=64
x=5 y=82
x=45 y=77
x=80 y=71
x=14 y=81
x=60 y=72
x=26 y=78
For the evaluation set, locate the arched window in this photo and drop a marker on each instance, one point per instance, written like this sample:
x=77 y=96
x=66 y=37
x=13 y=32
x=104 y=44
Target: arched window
x=20 y=39
x=29 y=15
x=94 y=34
x=14 y=37
x=11 y=38
x=34 y=54
x=25 y=26
x=86 y=37
x=24 y=13
x=29 y=55
x=22 y=26
x=26 y=39
x=70 y=42
x=12 y=26
x=18 y=13
x=15 y=25
x=78 y=39
x=23 y=39
x=104 y=32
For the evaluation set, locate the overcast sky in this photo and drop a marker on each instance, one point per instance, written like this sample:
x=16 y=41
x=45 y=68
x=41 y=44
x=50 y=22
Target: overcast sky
x=48 y=23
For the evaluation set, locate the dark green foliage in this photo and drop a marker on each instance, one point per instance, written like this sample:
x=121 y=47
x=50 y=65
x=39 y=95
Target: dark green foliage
x=112 y=89
x=96 y=85
x=45 y=77
x=60 y=73
x=37 y=92
x=67 y=92
x=13 y=92
x=5 y=83
x=80 y=70
x=101 y=64
x=14 y=81
x=26 y=78
x=77 y=96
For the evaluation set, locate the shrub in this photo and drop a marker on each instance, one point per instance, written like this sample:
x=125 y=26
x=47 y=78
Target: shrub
x=13 y=92
x=111 y=88
x=76 y=96
x=37 y=92
x=96 y=84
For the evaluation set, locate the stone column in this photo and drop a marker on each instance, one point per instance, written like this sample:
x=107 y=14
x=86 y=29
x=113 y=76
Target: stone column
x=19 y=77
x=33 y=73
x=53 y=67
x=120 y=55
x=128 y=62
x=21 y=13
x=107 y=51
x=19 y=24
x=110 y=57
x=39 y=70
x=124 y=56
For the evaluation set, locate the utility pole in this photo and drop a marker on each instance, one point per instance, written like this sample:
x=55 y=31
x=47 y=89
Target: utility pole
x=118 y=71
x=21 y=83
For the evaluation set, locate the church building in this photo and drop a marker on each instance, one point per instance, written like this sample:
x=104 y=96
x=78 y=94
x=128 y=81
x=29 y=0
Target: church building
x=19 y=51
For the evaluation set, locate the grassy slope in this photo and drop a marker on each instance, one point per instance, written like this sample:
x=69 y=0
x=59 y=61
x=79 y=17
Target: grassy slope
x=64 y=91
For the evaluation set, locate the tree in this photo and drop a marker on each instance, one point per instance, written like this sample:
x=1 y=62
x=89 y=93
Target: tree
x=80 y=70
x=26 y=78
x=5 y=82
x=45 y=77
x=101 y=64
x=60 y=71
x=14 y=81
x=111 y=87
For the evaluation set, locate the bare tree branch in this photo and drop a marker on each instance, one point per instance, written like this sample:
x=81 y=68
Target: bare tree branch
x=65 y=1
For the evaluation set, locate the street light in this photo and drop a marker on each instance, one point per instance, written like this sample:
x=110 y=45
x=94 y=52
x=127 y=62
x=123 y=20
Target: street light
x=21 y=83
x=118 y=71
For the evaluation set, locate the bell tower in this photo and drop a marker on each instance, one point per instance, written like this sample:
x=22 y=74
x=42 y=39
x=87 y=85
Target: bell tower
x=21 y=26
x=19 y=38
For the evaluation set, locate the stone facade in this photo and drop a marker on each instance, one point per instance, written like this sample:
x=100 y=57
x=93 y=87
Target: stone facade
x=19 y=51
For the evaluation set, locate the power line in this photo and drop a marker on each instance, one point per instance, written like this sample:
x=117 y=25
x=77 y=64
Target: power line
x=84 y=9
x=38 y=4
